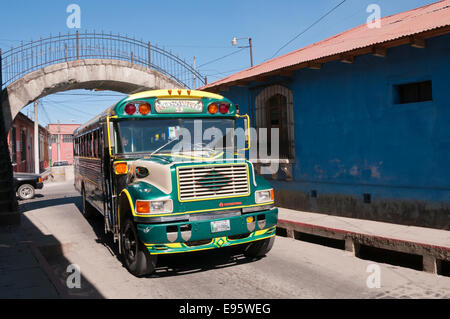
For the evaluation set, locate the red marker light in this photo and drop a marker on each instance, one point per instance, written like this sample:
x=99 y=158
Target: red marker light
x=223 y=108
x=170 y=92
x=179 y=92
x=130 y=109
x=189 y=92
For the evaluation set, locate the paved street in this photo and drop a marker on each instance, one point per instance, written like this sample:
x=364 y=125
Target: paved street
x=293 y=269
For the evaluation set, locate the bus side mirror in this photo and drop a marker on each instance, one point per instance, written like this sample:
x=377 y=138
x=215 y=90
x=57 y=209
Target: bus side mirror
x=109 y=138
x=247 y=131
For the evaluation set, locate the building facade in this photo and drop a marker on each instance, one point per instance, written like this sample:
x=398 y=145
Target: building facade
x=363 y=120
x=62 y=142
x=21 y=145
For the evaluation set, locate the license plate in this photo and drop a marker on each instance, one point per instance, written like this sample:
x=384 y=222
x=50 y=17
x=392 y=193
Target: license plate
x=220 y=225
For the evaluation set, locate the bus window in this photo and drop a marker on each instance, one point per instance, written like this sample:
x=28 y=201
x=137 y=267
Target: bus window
x=127 y=140
x=91 y=144
x=83 y=145
x=149 y=135
x=96 y=144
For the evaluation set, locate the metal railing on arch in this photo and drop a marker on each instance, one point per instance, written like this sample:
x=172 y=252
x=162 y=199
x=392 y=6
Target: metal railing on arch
x=34 y=55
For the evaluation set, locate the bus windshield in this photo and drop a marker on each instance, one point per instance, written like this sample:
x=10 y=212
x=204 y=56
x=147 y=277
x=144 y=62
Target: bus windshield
x=167 y=135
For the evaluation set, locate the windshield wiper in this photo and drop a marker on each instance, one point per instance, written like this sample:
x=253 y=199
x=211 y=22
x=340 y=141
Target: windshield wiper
x=221 y=141
x=168 y=143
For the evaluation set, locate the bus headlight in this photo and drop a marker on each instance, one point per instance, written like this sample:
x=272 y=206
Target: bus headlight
x=154 y=206
x=264 y=196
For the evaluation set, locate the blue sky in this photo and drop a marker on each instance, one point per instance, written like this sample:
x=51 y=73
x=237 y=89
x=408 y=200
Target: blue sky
x=189 y=28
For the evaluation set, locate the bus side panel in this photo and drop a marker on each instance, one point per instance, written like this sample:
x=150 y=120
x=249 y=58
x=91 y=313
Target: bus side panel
x=91 y=172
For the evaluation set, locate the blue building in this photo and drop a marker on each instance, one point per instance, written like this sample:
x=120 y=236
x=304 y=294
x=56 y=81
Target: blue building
x=363 y=120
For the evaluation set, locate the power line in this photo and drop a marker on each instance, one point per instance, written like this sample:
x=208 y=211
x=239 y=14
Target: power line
x=196 y=46
x=83 y=100
x=75 y=115
x=45 y=112
x=225 y=72
x=91 y=94
x=64 y=107
x=225 y=56
x=317 y=21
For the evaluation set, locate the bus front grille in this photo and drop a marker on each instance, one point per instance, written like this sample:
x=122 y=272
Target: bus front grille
x=204 y=182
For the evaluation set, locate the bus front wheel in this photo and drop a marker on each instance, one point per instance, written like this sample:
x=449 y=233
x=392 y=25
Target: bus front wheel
x=259 y=248
x=135 y=255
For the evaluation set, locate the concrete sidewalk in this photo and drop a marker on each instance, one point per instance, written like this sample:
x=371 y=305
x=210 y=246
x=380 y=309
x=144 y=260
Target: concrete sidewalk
x=432 y=244
x=24 y=271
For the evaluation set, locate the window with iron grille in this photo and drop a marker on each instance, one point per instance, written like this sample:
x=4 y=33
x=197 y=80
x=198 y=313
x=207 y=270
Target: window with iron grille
x=413 y=92
x=67 y=138
x=23 y=144
x=274 y=109
x=54 y=138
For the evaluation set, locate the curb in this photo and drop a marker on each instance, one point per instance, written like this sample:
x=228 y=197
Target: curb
x=45 y=266
x=432 y=255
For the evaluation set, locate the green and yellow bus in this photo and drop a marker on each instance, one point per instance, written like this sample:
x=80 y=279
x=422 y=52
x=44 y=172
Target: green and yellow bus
x=164 y=186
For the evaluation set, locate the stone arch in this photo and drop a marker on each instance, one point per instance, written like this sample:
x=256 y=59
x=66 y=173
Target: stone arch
x=106 y=74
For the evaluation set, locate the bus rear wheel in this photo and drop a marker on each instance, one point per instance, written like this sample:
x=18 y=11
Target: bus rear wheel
x=135 y=255
x=259 y=248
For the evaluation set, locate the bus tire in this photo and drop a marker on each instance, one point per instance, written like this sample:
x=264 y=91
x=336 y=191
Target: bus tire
x=135 y=255
x=87 y=210
x=259 y=248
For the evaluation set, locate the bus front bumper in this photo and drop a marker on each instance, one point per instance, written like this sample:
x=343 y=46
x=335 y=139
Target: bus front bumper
x=169 y=238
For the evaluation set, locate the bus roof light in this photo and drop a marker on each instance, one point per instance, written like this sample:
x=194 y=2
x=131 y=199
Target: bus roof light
x=224 y=107
x=144 y=108
x=130 y=108
x=170 y=92
x=212 y=108
x=179 y=92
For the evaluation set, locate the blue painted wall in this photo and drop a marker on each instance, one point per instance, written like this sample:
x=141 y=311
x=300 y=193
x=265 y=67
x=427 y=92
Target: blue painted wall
x=350 y=136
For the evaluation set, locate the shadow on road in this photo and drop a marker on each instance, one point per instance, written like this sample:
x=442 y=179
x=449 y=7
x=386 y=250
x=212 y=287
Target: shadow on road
x=168 y=265
x=43 y=202
x=177 y=264
x=48 y=253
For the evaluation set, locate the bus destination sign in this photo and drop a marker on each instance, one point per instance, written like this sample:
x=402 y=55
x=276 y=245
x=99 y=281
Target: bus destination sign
x=178 y=106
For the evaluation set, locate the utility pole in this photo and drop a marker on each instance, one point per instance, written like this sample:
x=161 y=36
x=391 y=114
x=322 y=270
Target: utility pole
x=36 y=138
x=251 y=51
x=58 y=142
x=235 y=41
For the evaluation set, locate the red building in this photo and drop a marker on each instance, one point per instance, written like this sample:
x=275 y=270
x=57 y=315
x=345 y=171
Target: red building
x=21 y=145
x=62 y=141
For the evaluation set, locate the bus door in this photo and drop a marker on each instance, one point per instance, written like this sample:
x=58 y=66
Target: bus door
x=108 y=193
